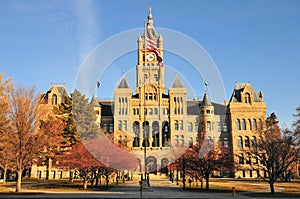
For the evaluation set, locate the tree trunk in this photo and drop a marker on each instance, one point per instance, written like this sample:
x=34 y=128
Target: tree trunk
x=97 y=181
x=272 y=188
x=19 y=180
x=207 y=183
x=85 y=183
x=70 y=176
x=4 y=174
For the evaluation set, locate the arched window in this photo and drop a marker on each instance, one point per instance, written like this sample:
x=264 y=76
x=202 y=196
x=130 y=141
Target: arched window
x=54 y=99
x=247 y=142
x=181 y=125
x=190 y=141
x=136 y=128
x=253 y=141
x=120 y=124
x=155 y=127
x=260 y=124
x=247 y=98
x=238 y=124
x=243 y=124
x=176 y=140
x=182 y=140
x=150 y=111
x=240 y=142
x=254 y=124
x=176 y=124
x=250 y=125
x=155 y=134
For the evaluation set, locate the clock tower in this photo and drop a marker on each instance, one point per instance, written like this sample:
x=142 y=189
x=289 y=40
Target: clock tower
x=150 y=69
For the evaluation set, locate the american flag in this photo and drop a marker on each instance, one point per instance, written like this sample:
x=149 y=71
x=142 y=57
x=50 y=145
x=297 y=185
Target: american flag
x=151 y=46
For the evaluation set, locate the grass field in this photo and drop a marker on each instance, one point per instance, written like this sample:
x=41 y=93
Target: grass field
x=251 y=188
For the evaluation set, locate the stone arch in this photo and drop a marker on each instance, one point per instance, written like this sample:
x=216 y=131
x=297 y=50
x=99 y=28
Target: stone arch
x=136 y=131
x=155 y=134
x=165 y=133
x=151 y=163
x=164 y=165
x=145 y=134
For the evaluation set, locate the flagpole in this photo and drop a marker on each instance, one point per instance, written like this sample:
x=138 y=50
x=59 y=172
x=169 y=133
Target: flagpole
x=144 y=136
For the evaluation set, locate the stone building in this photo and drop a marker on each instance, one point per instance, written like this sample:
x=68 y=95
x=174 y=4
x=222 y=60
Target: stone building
x=163 y=122
x=157 y=124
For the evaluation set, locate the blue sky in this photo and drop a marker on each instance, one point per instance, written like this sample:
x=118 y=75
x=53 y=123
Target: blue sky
x=249 y=40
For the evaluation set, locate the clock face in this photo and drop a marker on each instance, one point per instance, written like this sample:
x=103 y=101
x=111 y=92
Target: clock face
x=150 y=57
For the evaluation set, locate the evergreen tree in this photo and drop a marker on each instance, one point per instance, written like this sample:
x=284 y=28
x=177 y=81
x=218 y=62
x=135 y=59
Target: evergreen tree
x=70 y=133
x=84 y=116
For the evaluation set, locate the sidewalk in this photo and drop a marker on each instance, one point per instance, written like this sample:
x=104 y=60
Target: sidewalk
x=161 y=187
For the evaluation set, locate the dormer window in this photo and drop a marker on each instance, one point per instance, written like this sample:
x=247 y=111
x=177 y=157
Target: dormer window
x=247 y=98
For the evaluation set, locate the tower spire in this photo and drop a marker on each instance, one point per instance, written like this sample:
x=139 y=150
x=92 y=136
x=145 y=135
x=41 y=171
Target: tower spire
x=150 y=21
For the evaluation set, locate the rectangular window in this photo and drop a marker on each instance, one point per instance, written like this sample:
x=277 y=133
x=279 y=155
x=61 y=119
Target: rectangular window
x=248 y=160
x=208 y=124
x=219 y=127
x=120 y=125
x=125 y=125
x=104 y=126
x=225 y=127
x=241 y=158
x=111 y=128
x=181 y=125
x=196 y=126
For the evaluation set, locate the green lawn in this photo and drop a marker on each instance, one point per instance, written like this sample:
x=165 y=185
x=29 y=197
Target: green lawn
x=251 y=187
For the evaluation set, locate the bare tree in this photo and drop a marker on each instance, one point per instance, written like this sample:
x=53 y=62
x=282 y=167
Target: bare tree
x=275 y=152
x=203 y=163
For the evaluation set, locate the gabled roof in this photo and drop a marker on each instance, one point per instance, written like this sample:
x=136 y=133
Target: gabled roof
x=61 y=88
x=94 y=101
x=240 y=88
x=177 y=83
x=123 y=83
